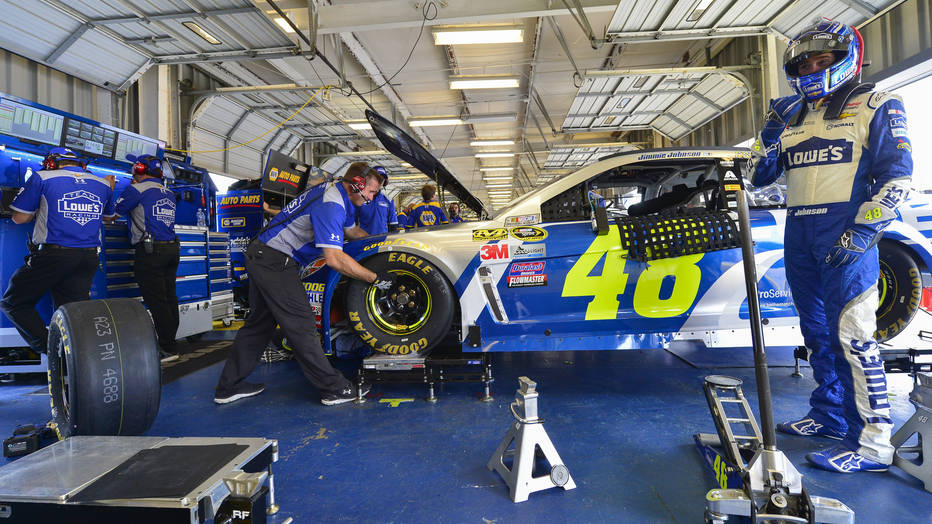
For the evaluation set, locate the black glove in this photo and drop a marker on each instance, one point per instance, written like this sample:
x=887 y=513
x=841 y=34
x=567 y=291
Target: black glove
x=385 y=281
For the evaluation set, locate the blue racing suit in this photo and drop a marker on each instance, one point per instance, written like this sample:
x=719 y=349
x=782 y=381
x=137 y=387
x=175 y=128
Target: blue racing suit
x=844 y=177
x=376 y=216
x=427 y=214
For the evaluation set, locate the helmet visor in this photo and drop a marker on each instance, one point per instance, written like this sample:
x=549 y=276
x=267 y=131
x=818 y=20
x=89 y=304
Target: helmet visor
x=814 y=44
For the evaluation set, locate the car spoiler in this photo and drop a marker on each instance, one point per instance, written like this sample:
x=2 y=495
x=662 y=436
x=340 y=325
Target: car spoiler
x=400 y=144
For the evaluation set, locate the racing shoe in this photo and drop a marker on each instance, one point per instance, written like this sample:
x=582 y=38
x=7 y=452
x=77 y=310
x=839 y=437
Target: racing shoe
x=808 y=427
x=241 y=390
x=342 y=396
x=843 y=460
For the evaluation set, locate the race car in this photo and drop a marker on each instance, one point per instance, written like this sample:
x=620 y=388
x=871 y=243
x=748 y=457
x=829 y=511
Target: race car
x=546 y=273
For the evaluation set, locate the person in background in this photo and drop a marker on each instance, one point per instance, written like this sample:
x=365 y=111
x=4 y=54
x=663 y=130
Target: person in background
x=427 y=213
x=311 y=225
x=403 y=216
x=68 y=204
x=378 y=217
x=847 y=158
x=150 y=210
x=454 y=210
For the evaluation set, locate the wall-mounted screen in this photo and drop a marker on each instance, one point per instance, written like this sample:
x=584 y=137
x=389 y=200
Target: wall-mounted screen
x=89 y=138
x=134 y=146
x=29 y=123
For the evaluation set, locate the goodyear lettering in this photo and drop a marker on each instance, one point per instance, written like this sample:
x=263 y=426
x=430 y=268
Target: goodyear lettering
x=317 y=287
x=396 y=242
x=403 y=349
x=410 y=260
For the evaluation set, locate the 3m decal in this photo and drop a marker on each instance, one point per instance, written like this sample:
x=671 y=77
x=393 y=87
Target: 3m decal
x=230 y=222
x=528 y=233
x=522 y=220
x=529 y=251
x=605 y=288
x=484 y=235
x=494 y=252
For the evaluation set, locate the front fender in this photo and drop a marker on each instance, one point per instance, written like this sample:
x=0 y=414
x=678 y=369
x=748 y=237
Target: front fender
x=911 y=239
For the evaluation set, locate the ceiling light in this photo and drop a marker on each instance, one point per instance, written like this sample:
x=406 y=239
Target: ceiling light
x=201 y=32
x=480 y=143
x=500 y=192
x=496 y=154
x=427 y=122
x=483 y=82
x=699 y=11
x=491 y=118
x=283 y=24
x=359 y=125
x=409 y=177
x=499 y=185
x=466 y=35
x=405 y=164
x=496 y=169
x=372 y=152
x=494 y=179
x=640 y=82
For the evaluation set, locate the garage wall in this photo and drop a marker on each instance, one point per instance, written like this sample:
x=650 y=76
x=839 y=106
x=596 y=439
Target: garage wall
x=898 y=44
x=30 y=80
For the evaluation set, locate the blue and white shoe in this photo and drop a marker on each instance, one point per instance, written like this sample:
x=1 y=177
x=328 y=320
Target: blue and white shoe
x=841 y=460
x=808 y=427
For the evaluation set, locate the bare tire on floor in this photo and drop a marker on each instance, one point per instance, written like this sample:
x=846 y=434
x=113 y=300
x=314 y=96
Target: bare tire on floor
x=899 y=288
x=104 y=370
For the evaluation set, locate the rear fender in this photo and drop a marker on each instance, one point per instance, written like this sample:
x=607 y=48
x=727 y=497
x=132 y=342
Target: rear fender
x=912 y=240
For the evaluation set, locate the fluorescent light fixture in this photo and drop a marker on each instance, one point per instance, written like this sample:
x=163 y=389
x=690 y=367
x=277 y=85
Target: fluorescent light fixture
x=495 y=154
x=201 y=32
x=483 y=82
x=468 y=35
x=699 y=11
x=494 y=179
x=409 y=177
x=481 y=143
x=499 y=185
x=500 y=193
x=496 y=169
x=639 y=83
x=373 y=152
x=405 y=164
x=283 y=24
x=427 y=122
x=491 y=118
x=359 y=125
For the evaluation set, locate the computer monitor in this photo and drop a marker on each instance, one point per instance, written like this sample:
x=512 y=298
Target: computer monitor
x=29 y=123
x=89 y=138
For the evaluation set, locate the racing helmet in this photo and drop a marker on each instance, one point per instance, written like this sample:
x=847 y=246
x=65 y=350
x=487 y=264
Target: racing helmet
x=842 y=40
x=57 y=154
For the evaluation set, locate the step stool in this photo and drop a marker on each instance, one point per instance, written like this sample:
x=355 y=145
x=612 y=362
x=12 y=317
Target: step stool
x=921 y=425
x=528 y=435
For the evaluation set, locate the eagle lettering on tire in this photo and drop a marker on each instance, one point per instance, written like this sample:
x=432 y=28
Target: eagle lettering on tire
x=412 y=316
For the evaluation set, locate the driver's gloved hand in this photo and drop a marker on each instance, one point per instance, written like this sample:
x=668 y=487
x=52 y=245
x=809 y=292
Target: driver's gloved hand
x=781 y=110
x=851 y=245
x=385 y=280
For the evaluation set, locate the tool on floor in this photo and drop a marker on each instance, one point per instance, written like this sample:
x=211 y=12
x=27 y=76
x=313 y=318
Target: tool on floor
x=28 y=438
x=440 y=366
x=911 y=458
x=528 y=435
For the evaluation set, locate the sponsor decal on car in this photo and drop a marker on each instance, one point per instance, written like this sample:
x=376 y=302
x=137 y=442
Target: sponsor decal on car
x=528 y=233
x=527 y=274
x=233 y=222
x=313 y=267
x=315 y=287
x=522 y=220
x=494 y=252
x=527 y=280
x=397 y=242
x=529 y=251
x=484 y=235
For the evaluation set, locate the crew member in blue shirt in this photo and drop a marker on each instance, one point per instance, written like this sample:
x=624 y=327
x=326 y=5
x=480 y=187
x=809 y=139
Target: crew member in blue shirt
x=378 y=217
x=68 y=205
x=311 y=225
x=427 y=213
x=454 y=210
x=150 y=209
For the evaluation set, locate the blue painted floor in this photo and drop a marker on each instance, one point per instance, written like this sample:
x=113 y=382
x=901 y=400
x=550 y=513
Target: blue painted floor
x=622 y=422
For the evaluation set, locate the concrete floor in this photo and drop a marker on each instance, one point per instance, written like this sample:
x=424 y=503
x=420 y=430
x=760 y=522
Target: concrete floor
x=622 y=422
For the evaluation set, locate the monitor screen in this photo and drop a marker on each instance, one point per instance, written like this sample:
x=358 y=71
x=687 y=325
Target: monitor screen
x=29 y=123
x=89 y=138
x=134 y=146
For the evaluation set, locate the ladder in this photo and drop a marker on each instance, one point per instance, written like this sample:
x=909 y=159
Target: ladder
x=731 y=412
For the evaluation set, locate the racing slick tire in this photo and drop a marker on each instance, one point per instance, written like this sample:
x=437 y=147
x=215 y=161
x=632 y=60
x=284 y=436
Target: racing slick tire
x=899 y=288
x=105 y=377
x=409 y=319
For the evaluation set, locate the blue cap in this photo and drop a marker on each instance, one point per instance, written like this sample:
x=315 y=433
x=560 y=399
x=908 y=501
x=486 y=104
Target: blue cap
x=62 y=151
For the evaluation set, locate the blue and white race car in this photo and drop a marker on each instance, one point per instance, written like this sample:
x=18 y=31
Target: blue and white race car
x=537 y=276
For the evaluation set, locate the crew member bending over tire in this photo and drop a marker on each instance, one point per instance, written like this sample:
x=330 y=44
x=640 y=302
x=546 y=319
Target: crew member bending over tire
x=313 y=223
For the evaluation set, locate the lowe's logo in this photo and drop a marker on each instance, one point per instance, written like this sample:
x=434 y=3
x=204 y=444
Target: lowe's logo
x=817 y=152
x=164 y=211
x=80 y=206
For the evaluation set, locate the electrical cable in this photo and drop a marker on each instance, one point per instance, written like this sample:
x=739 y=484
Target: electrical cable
x=420 y=33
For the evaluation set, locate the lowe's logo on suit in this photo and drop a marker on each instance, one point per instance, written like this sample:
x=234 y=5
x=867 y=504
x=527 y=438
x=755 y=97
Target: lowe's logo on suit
x=80 y=206
x=818 y=151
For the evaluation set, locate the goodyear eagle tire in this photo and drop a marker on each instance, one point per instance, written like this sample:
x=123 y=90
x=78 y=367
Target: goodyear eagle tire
x=409 y=319
x=104 y=370
x=899 y=288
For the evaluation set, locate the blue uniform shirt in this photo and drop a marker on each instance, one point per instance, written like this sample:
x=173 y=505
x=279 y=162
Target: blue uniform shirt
x=150 y=207
x=456 y=220
x=301 y=234
x=427 y=214
x=69 y=204
x=376 y=216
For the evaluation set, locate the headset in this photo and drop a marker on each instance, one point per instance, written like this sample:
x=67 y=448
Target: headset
x=147 y=165
x=357 y=183
x=57 y=154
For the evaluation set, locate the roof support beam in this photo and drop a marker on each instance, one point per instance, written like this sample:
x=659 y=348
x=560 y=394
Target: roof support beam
x=72 y=38
x=173 y=16
x=230 y=56
x=630 y=37
x=862 y=7
x=253 y=89
x=591 y=73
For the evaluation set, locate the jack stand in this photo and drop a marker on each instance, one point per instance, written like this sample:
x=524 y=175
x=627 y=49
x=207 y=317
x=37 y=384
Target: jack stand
x=528 y=435
x=919 y=424
x=772 y=489
x=799 y=353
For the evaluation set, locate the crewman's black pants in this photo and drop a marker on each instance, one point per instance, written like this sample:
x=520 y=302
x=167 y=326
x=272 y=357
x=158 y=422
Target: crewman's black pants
x=65 y=272
x=276 y=295
x=156 y=273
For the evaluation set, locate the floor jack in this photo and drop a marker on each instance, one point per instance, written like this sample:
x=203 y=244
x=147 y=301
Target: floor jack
x=771 y=489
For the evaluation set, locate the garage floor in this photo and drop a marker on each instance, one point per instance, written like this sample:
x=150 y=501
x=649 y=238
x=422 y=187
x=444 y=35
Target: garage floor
x=622 y=421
